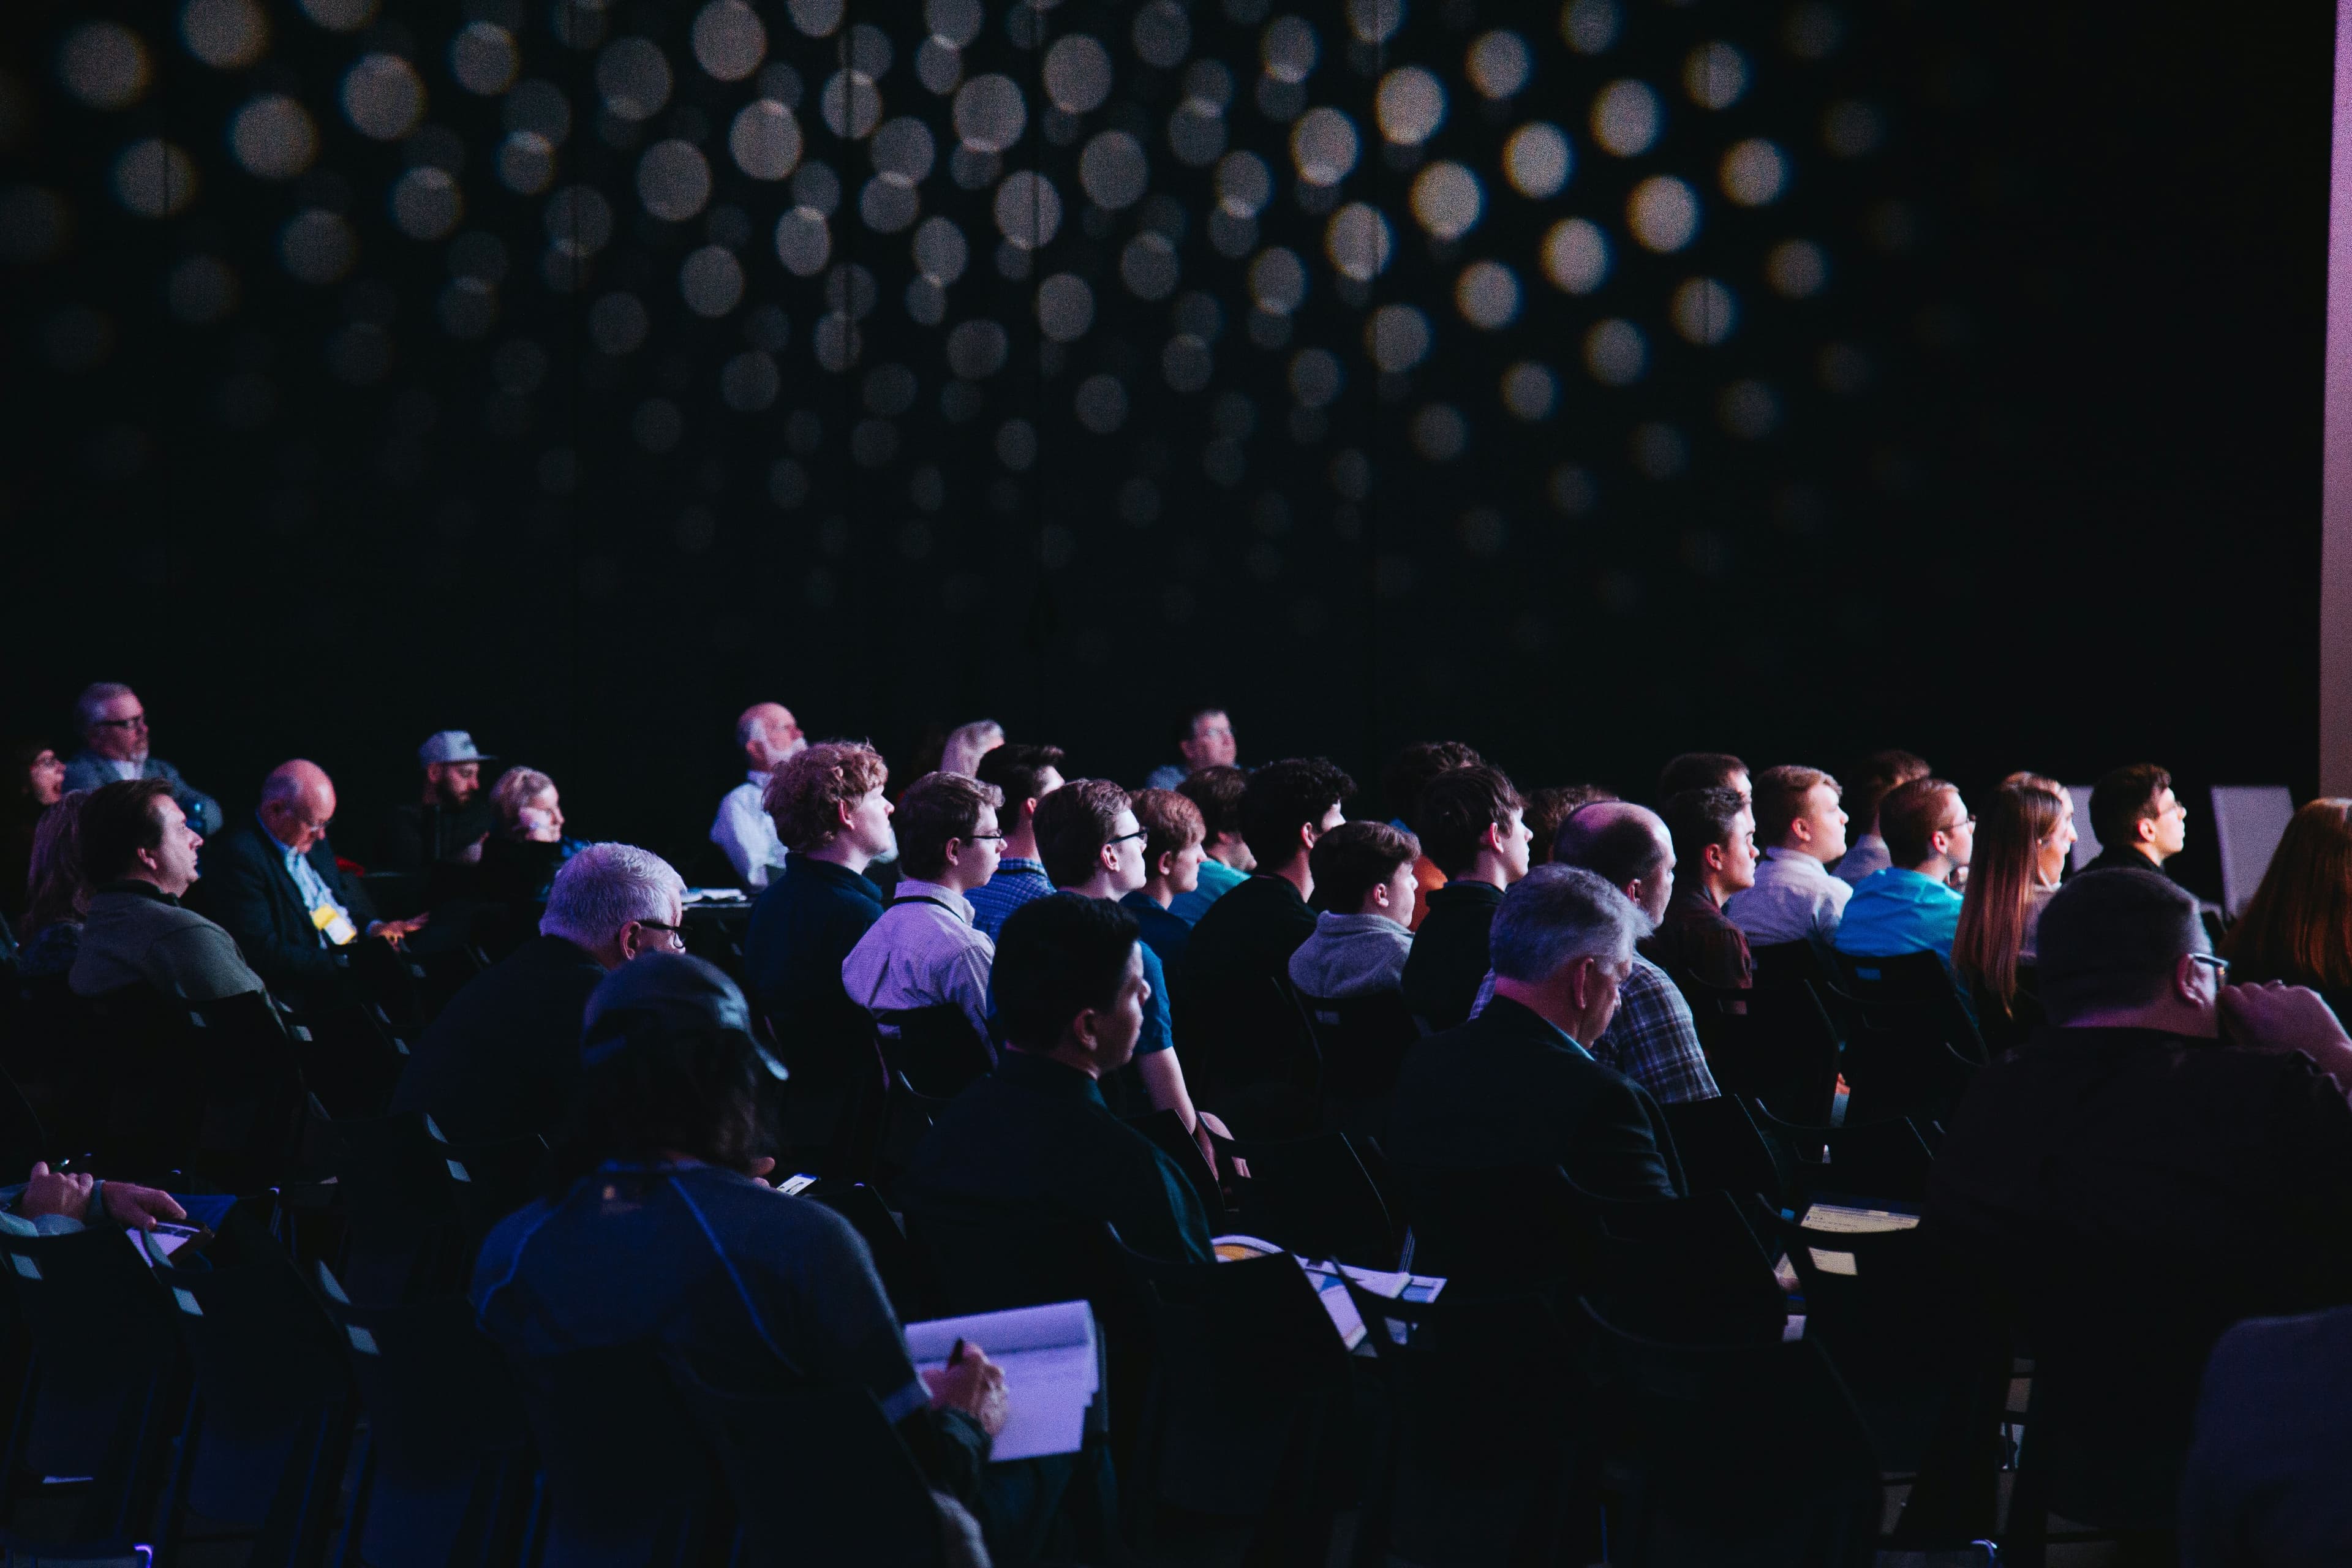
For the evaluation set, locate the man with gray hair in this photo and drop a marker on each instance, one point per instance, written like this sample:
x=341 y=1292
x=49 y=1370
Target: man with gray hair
x=503 y=1057
x=1518 y=1085
x=113 y=725
x=768 y=735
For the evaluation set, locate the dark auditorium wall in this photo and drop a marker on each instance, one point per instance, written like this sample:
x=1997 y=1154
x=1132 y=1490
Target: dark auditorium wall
x=1951 y=382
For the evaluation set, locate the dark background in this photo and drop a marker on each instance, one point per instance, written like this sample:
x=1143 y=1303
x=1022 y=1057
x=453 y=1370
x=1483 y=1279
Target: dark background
x=2042 y=491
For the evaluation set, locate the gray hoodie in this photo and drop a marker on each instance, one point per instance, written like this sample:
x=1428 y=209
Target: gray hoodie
x=1351 y=955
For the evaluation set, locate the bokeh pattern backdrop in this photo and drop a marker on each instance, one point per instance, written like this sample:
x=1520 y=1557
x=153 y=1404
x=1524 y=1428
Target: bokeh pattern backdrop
x=1581 y=378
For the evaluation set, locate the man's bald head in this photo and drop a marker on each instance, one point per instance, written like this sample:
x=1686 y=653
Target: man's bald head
x=1625 y=843
x=297 y=801
x=769 y=734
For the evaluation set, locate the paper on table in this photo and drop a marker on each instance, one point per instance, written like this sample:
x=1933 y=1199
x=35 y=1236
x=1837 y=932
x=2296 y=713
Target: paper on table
x=1051 y=1370
x=1839 y=1220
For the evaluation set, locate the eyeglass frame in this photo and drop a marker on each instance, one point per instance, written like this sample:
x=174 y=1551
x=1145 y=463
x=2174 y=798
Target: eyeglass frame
x=677 y=933
x=136 y=722
x=2214 y=961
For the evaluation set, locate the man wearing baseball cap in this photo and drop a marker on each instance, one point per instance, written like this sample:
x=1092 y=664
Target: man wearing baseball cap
x=452 y=817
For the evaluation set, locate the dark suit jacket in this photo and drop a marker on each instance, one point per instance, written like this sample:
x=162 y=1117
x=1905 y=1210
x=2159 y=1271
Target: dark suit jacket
x=1449 y=959
x=1509 y=1089
x=503 y=1057
x=1246 y=938
x=247 y=889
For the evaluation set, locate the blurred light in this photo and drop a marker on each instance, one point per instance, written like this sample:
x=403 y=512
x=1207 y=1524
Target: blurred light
x=634 y=78
x=1498 y=63
x=1447 y=199
x=425 y=204
x=1576 y=256
x=1397 y=337
x=976 y=350
x=540 y=106
x=1663 y=213
x=1754 y=172
x=1439 y=433
x=103 y=64
x=1538 y=161
x=317 y=246
x=818 y=18
x=1323 y=147
x=990 y=113
x=1287 y=51
x=673 y=180
x=729 y=40
x=1530 y=391
x=955 y=23
x=710 y=281
x=765 y=139
x=1487 y=295
x=1615 y=352
x=1244 y=185
x=851 y=104
x=1316 y=377
x=1077 y=74
x=1357 y=241
x=1797 y=269
x=1715 y=75
x=1066 y=306
x=339 y=16
x=1161 y=35
x=1703 y=311
x=226 y=35
x=1625 y=118
x=1113 y=172
x=904 y=149
x=1409 y=105
x=272 y=138
x=1375 y=21
x=526 y=162
x=154 y=179
x=579 y=220
x=1148 y=266
x=1028 y=209
x=483 y=60
x=1186 y=362
x=1278 y=282
x=617 y=324
x=383 y=96
x=1588 y=27
x=1101 y=404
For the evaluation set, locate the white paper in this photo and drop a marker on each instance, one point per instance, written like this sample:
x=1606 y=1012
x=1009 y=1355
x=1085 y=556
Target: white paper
x=1051 y=1371
x=1838 y=1220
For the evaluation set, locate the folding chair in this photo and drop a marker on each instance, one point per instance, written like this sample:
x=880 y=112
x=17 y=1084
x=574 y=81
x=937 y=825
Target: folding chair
x=1497 y=1230
x=1261 y=1069
x=350 y=1056
x=1692 y=1268
x=1747 y=1453
x=1778 y=1045
x=627 y=1480
x=419 y=1206
x=935 y=1049
x=906 y=1273
x=1887 y=1160
x=1721 y=1150
x=445 y=1473
x=1313 y=1195
x=1363 y=1040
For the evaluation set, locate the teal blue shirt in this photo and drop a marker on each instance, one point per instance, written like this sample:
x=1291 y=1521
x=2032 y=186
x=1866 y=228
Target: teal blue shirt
x=1897 y=911
x=1217 y=879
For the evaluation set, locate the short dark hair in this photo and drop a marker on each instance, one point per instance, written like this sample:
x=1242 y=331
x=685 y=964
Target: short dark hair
x=1880 y=774
x=1169 y=823
x=1353 y=858
x=2122 y=800
x=1909 y=818
x=1073 y=824
x=1620 y=849
x=1698 y=817
x=1458 y=807
x=119 y=820
x=1218 y=793
x=1016 y=767
x=1698 y=770
x=1056 y=957
x=1285 y=797
x=805 y=793
x=1409 y=773
x=936 y=808
x=1780 y=798
x=1548 y=808
x=2112 y=938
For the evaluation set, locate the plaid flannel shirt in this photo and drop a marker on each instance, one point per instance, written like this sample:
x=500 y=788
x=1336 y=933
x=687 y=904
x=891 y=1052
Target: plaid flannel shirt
x=1653 y=1039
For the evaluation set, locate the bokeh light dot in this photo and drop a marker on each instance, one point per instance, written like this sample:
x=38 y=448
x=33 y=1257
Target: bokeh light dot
x=226 y=35
x=1625 y=118
x=317 y=246
x=1397 y=337
x=990 y=113
x=1028 y=209
x=634 y=78
x=1663 y=212
x=1754 y=172
x=1588 y=27
x=1288 y=50
x=1278 y=282
x=154 y=178
x=1447 y=199
x=1113 y=170
x=1410 y=105
x=1498 y=63
x=104 y=65
x=1077 y=74
x=482 y=57
x=1536 y=160
x=729 y=40
x=1149 y=268
x=1066 y=306
x=1530 y=391
x=382 y=97
x=1715 y=75
x=425 y=204
x=1796 y=268
x=1487 y=295
x=272 y=138
x=765 y=139
x=1703 y=311
x=1323 y=146
x=939 y=251
x=710 y=281
x=1357 y=240
x=1615 y=351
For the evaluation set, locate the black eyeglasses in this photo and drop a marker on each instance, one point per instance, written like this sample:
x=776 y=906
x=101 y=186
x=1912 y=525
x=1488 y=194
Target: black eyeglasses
x=1139 y=832
x=2220 y=965
x=136 y=722
x=976 y=838
x=676 y=934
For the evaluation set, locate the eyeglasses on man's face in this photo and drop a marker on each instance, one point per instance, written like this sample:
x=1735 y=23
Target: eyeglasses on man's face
x=1139 y=832
x=136 y=722
x=2215 y=961
x=676 y=934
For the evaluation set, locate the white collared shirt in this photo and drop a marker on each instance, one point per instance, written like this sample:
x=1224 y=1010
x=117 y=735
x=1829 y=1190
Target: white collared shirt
x=1795 y=899
x=748 y=834
x=923 y=951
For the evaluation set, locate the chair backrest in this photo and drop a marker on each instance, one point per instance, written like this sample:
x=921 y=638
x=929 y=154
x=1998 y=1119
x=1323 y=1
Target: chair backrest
x=2248 y=821
x=1166 y=1130
x=1499 y=1228
x=1690 y=1269
x=1885 y=1159
x=987 y=1263
x=1363 y=1040
x=350 y=1056
x=1780 y=964
x=445 y=1478
x=1721 y=1150
x=1782 y=1047
x=817 y=1475
x=250 y=1094
x=411 y=1222
x=935 y=1049
x=1313 y=1195
x=629 y=1480
x=1255 y=1037
x=906 y=1272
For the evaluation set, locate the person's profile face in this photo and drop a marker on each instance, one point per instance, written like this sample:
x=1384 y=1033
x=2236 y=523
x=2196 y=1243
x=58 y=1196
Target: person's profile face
x=1959 y=832
x=175 y=858
x=870 y=824
x=1126 y=852
x=981 y=851
x=1403 y=890
x=1118 y=1027
x=1184 y=867
x=2050 y=855
x=1212 y=744
x=1658 y=888
x=1740 y=781
x=1517 y=842
x=1332 y=817
x=459 y=782
x=45 y=779
x=1827 y=819
x=2171 y=824
x=1740 y=852
x=120 y=731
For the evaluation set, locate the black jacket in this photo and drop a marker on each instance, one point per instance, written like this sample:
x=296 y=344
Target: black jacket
x=1449 y=959
x=247 y=890
x=1507 y=1088
x=1246 y=938
x=503 y=1057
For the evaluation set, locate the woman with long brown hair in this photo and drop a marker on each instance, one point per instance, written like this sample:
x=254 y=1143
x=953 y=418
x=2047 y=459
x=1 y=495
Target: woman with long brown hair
x=2298 y=929
x=2024 y=832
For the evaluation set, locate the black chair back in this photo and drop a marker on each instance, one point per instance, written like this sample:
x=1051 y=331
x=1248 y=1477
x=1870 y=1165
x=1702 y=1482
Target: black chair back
x=1166 y=1130
x=1261 y=1069
x=1497 y=1230
x=418 y=1206
x=904 y=1272
x=1363 y=1040
x=1870 y=1161
x=629 y=1480
x=935 y=1049
x=350 y=1056
x=1313 y=1195
x=1721 y=1150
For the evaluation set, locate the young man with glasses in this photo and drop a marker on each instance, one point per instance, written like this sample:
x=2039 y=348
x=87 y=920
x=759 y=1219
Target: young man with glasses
x=925 y=951
x=113 y=724
x=1910 y=906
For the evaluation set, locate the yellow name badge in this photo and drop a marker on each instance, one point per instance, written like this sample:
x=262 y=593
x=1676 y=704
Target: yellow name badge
x=334 y=925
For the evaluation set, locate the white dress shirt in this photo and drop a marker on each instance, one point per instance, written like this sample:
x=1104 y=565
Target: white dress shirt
x=748 y=834
x=1865 y=857
x=924 y=950
x=1795 y=899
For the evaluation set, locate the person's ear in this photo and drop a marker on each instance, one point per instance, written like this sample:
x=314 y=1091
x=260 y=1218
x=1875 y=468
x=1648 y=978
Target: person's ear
x=2184 y=980
x=1165 y=866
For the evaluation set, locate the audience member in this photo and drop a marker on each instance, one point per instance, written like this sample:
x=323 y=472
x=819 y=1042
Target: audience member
x=39 y=780
x=767 y=736
x=1704 y=769
x=1518 y=1085
x=829 y=809
x=2139 y=822
x=1910 y=907
x=967 y=743
x=273 y=885
x=1408 y=776
x=1248 y=935
x=656 y=1229
x=1205 y=739
x=502 y=1057
x=2013 y=871
x=1795 y=897
x=1033 y=1142
x=114 y=751
x=1474 y=826
x=2264 y=1487
x=1364 y=888
x=1548 y=808
x=1714 y=831
x=453 y=817
x=1653 y=1039
x=1225 y=858
x=2298 y=926
x=925 y=951
x=1027 y=774
x=1092 y=847
x=2166 y=1154
x=1175 y=839
x=521 y=856
x=60 y=1202
x=58 y=891
x=1880 y=775
x=140 y=853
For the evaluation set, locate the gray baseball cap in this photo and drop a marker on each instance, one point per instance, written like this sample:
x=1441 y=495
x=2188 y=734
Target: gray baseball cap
x=450 y=746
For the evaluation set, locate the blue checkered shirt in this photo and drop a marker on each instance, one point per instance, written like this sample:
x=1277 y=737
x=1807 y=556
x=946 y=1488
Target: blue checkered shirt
x=1017 y=881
